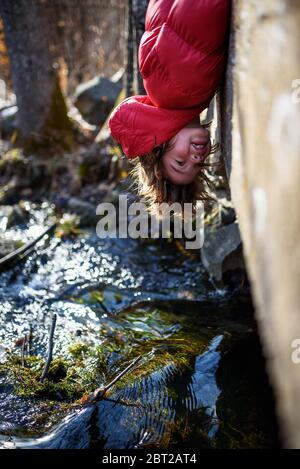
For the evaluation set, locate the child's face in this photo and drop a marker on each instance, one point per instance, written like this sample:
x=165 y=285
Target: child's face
x=189 y=147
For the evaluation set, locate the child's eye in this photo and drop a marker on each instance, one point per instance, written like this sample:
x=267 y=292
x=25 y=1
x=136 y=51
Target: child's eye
x=180 y=163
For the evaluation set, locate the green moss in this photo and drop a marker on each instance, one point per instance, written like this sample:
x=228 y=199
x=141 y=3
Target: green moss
x=69 y=378
x=90 y=298
x=96 y=296
x=78 y=350
x=118 y=297
x=157 y=352
x=19 y=243
x=85 y=367
x=68 y=227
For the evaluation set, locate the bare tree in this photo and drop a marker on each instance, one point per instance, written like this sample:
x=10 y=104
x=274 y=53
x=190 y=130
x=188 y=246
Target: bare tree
x=30 y=38
x=129 y=59
x=90 y=37
x=53 y=45
x=139 y=8
x=134 y=29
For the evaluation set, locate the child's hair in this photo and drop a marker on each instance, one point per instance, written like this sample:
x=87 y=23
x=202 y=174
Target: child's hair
x=155 y=189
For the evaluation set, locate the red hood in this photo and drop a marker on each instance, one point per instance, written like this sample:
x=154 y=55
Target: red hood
x=138 y=125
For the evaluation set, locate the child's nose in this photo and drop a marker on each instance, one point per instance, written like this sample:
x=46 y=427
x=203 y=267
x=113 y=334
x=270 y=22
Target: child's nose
x=195 y=158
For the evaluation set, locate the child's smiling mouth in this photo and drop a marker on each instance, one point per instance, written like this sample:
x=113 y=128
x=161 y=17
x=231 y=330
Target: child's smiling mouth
x=201 y=146
x=199 y=142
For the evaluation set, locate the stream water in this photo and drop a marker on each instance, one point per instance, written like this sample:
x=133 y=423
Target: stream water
x=201 y=381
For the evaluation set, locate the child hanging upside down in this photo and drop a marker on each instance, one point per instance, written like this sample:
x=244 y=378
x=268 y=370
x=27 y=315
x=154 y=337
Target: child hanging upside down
x=182 y=58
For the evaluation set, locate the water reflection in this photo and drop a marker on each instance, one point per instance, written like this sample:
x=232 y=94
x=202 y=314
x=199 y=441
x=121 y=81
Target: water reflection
x=165 y=307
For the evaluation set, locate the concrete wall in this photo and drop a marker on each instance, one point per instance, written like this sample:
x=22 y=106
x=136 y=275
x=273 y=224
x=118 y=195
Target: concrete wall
x=261 y=147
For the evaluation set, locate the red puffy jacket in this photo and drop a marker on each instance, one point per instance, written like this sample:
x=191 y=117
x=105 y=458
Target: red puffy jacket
x=182 y=57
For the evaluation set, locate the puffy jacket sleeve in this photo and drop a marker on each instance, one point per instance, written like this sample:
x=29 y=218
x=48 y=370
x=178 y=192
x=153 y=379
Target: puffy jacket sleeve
x=182 y=53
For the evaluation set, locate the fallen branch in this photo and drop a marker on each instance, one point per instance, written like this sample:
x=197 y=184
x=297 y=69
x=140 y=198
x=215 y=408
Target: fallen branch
x=22 y=251
x=99 y=393
x=23 y=350
x=50 y=350
x=29 y=340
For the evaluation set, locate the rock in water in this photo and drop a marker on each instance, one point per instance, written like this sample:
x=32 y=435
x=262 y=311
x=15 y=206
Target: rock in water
x=221 y=250
x=17 y=216
x=85 y=210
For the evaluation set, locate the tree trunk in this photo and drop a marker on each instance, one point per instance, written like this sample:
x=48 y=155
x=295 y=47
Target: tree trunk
x=134 y=29
x=90 y=38
x=129 y=59
x=30 y=37
x=139 y=8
